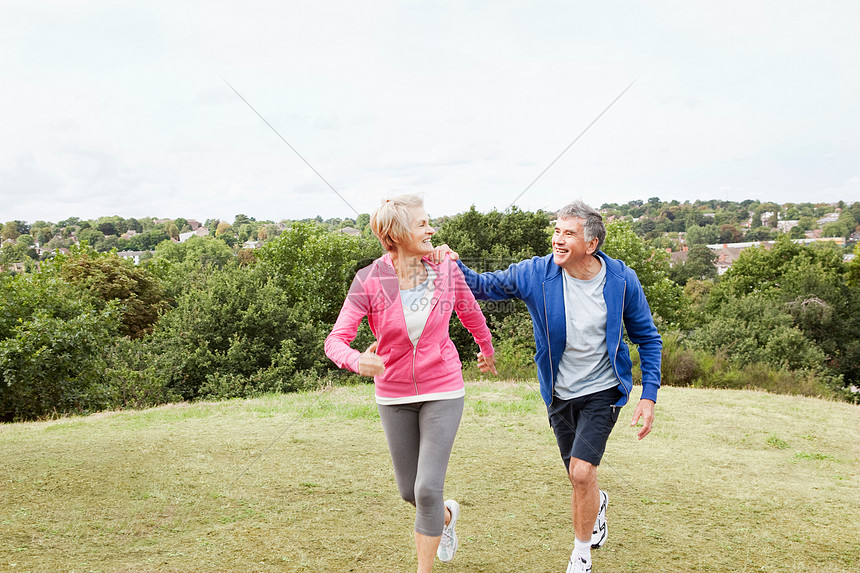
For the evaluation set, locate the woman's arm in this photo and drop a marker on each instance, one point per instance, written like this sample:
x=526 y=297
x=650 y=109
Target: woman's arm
x=469 y=312
x=342 y=334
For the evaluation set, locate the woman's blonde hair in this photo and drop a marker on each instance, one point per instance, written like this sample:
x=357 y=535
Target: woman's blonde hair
x=390 y=221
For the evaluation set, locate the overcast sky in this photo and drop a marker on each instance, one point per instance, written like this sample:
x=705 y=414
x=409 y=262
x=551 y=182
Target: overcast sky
x=122 y=108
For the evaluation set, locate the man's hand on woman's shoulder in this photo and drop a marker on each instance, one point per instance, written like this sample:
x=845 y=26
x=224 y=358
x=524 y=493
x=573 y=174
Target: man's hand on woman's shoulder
x=439 y=253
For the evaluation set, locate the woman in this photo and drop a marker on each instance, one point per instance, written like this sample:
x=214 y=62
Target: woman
x=419 y=389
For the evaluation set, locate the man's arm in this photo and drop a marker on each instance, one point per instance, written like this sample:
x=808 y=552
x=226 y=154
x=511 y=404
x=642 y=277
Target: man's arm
x=495 y=285
x=643 y=332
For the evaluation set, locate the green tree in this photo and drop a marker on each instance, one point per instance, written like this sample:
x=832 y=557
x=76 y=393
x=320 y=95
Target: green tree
x=490 y=241
x=10 y=231
x=806 y=284
x=760 y=269
x=651 y=266
x=180 y=265
x=242 y=219
x=315 y=267
x=223 y=228
x=836 y=229
x=487 y=241
x=182 y=224
x=225 y=335
x=17 y=253
x=707 y=235
x=107 y=228
x=759 y=234
x=852 y=274
x=110 y=278
x=90 y=236
x=43 y=233
x=700 y=265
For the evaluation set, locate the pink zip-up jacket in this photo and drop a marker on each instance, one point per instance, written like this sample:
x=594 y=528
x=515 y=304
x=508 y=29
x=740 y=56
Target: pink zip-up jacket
x=433 y=364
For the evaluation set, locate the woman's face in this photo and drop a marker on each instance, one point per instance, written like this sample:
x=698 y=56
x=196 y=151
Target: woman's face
x=417 y=242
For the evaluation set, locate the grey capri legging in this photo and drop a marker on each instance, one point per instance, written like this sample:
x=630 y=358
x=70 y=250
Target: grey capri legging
x=420 y=438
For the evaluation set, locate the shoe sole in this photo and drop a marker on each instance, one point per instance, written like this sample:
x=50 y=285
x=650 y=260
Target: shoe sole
x=604 y=505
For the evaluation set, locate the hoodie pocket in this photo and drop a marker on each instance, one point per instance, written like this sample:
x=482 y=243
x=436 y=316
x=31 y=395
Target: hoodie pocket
x=398 y=362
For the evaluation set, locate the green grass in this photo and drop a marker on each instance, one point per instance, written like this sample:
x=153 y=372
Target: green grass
x=727 y=481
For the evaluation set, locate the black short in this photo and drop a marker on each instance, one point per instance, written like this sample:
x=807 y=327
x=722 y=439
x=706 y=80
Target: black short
x=582 y=425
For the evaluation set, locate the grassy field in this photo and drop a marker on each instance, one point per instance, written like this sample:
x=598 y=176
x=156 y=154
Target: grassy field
x=728 y=481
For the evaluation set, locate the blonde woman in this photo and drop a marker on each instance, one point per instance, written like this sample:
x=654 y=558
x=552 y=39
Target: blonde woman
x=408 y=301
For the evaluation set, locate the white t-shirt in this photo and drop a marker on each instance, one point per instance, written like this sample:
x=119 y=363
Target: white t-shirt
x=585 y=367
x=416 y=305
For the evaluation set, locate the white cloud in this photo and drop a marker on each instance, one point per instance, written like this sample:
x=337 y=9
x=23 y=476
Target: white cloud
x=122 y=107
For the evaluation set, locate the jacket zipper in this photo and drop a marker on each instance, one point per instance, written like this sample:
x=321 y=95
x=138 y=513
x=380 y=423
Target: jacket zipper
x=548 y=346
x=415 y=346
x=618 y=344
x=414 y=357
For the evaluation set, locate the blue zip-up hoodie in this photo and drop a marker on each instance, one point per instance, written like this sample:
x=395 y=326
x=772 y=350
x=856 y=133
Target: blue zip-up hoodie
x=538 y=282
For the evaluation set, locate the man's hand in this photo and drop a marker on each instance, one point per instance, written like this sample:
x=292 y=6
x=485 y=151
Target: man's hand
x=645 y=411
x=487 y=363
x=438 y=254
x=369 y=364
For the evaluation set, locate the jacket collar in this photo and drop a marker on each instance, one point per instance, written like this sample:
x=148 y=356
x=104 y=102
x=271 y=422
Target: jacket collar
x=386 y=267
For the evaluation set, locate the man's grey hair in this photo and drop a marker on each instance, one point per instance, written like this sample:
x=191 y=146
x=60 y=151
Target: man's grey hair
x=592 y=221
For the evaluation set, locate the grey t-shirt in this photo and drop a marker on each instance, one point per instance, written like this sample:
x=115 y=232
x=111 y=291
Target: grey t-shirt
x=585 y=367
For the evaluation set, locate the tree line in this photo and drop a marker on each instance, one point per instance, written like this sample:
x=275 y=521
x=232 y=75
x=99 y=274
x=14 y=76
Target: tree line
x=90 y=330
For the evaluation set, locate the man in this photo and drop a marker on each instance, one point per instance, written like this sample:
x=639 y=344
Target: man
x=579 y=298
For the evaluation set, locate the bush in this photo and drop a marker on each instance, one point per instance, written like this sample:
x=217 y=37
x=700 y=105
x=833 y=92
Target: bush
x=683 y=366
x=52 y=341
x=52 y=365
x=132 y=378
x=763 y=377
x=680 y=365
x=756 y=329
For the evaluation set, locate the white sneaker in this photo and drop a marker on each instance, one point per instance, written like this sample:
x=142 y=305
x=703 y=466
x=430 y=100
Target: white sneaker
x=578 y=565
x=448 y=543
x=598 y=536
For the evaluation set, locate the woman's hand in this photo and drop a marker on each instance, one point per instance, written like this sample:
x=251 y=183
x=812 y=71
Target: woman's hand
x=369 y=364
x=487 y=363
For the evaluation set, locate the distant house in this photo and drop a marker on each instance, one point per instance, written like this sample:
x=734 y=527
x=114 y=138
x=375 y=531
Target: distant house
x=786 y=226
x=678 y=257
x=349 y=231
x=193 y=224
x=828 y=218
x=128 y=234
x=199 y=232
x=133 y=255
x=252 y=244
x=726 y=256
x=13 y=267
